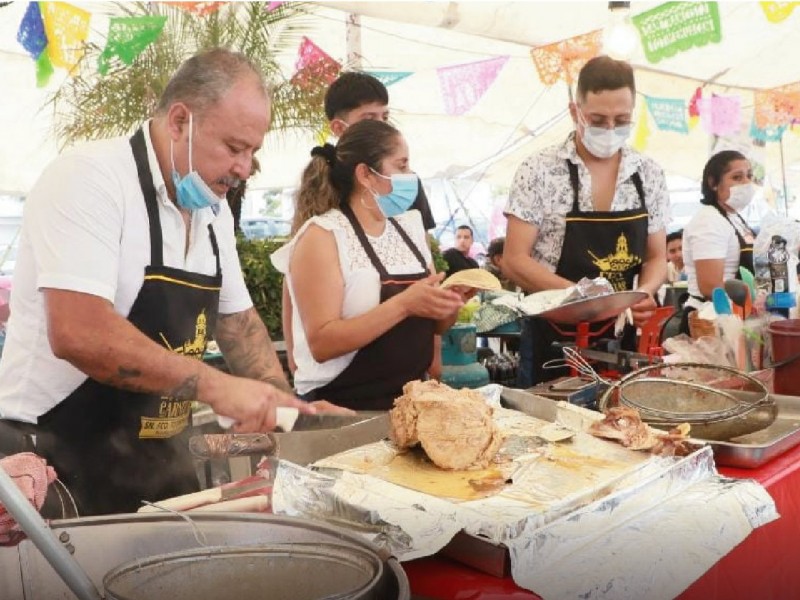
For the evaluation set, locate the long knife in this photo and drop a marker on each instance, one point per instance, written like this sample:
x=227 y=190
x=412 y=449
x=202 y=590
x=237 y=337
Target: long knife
x=306 y=447
x=300 y=447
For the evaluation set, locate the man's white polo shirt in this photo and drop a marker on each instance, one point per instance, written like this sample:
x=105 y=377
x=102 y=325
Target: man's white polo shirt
x=85 y=228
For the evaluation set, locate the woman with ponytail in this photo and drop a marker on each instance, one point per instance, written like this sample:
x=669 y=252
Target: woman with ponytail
x=360 y=275
x=717 y=241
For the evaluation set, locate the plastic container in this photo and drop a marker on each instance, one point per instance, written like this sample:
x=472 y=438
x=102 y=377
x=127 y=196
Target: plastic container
x=785 y=337
x=460 y=367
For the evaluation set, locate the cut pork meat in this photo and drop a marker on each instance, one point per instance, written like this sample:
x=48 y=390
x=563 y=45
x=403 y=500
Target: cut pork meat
x=625 y=425
x=454 y=427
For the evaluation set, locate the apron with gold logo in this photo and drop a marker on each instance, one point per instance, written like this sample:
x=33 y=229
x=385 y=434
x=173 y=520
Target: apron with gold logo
x=113 y=448
x=610 y=244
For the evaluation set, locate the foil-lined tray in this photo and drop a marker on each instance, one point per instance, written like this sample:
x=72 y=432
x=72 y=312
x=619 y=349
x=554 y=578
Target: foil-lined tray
x=575 y=546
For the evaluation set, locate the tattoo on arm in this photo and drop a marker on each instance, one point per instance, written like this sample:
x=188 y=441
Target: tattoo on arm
x=186 y=390
x=126 y=378
x=248 y=350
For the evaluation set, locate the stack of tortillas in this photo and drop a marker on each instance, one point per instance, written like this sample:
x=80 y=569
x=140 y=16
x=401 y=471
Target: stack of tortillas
x=480 y=279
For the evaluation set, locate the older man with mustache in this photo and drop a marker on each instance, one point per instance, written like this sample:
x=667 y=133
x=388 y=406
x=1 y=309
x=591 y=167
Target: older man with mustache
x=127 y=265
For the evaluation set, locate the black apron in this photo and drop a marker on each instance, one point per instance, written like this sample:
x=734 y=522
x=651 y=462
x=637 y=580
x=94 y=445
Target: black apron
x=745 y=260
x=111 y=447
x=380 y=369
x=611 y=244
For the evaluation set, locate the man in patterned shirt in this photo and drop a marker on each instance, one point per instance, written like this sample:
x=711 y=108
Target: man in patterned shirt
x=588 y=207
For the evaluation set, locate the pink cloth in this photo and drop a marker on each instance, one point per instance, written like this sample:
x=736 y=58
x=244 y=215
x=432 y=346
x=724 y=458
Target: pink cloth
x=32 y=476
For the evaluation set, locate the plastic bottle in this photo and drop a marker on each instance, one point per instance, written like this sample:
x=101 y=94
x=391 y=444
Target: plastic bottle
x=778 y=264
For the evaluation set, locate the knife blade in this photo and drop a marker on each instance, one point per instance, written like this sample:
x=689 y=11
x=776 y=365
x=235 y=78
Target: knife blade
x=306 y=447
x=290 y=419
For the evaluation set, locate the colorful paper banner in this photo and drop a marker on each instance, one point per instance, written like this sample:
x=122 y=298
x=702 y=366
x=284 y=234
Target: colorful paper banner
x=694 y=108
x=642 y=133
x=777 y=11
x=566 y=58
x=128 y=37
x=200 y=9
x=669 y=114
x=387 y=78
x=676 y=27
x=314 y=65
x=44 y=69
x=66 y=28
x=463 y=85
x=31 y=33
x=778 y=106
x=768 y=134
x=721 y=115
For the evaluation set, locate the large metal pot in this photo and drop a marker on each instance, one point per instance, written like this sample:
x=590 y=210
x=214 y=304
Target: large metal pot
x=277 y=572
x=103 y=544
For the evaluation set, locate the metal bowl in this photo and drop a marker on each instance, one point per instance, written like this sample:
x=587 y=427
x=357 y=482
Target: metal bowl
x=277 y=571
x=733 y=404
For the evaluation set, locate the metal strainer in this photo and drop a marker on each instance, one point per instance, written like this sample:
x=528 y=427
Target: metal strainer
x=718 y=402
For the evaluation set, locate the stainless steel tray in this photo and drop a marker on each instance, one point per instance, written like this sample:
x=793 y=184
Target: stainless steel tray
x=755 y=449
x=591 y=310
x=745 y=452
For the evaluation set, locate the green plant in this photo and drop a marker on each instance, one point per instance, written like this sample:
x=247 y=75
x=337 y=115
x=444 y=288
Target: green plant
x=438 y=260
x=263 y=280
x=93 y=106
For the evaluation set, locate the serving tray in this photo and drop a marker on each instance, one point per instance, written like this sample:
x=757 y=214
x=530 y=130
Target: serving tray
x=755 y=449
x=591 y=310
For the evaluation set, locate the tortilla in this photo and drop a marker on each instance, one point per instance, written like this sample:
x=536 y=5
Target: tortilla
x=479 y=279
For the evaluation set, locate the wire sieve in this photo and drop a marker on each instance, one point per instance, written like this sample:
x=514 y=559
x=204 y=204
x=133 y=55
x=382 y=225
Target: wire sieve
x=719 y=402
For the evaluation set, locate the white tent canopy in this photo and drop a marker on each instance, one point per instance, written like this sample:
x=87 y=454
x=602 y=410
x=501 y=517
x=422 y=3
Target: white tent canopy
x=516 y=115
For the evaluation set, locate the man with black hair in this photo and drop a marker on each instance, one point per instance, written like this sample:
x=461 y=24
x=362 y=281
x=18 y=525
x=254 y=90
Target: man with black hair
x=457 y=257
x=356 y=96
x=675 y=270
x=590 y=206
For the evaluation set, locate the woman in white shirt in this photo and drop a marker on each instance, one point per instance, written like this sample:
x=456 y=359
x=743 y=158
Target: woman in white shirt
x=717 y=241
x=360 y=275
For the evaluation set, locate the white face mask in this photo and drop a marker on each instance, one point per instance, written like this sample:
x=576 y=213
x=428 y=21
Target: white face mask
x=602 y=142
x=741 y=196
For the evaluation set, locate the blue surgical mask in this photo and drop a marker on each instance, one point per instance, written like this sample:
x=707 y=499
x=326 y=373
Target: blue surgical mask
x=191 y=191
x=405 y=187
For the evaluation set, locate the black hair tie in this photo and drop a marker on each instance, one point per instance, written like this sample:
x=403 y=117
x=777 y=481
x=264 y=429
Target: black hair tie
x=328 y=152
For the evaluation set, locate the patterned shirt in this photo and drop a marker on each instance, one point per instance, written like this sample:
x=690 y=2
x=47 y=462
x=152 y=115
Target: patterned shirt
x=541 y=194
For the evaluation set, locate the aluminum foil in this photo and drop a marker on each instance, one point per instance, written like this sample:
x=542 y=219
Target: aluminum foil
x=648 y=534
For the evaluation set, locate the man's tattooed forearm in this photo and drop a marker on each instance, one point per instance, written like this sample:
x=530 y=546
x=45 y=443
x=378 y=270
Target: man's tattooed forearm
x=186 y=390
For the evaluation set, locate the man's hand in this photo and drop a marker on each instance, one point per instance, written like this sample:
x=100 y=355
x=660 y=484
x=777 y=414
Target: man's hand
x=643 y=310
x=328 y=408
x=251 y=404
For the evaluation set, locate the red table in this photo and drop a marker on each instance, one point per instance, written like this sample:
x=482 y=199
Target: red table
x=765 y=566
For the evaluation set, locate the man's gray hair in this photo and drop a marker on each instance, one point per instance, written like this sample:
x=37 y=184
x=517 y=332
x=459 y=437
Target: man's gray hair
x=202 y=80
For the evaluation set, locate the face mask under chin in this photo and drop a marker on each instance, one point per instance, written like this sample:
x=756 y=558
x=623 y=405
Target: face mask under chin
x=191 y=192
